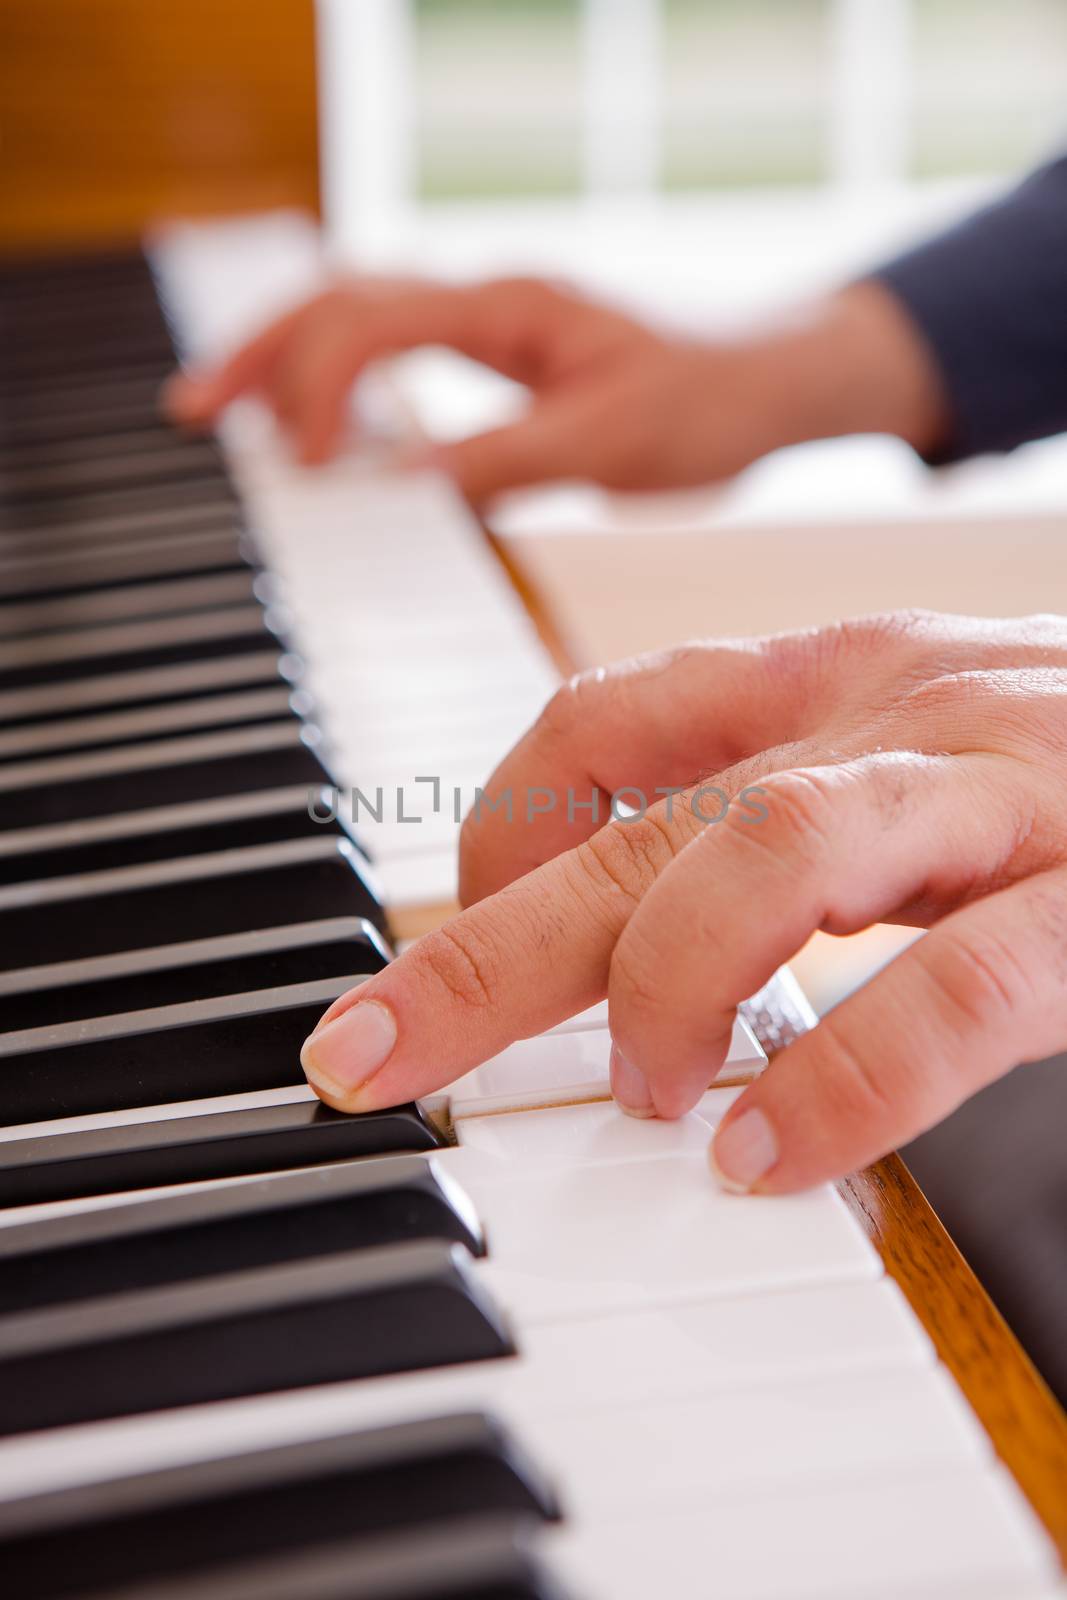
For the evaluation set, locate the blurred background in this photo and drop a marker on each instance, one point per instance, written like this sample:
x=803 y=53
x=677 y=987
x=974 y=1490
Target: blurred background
x=703 y=161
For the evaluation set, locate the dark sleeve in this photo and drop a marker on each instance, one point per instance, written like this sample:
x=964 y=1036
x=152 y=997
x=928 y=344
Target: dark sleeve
x=990 y=296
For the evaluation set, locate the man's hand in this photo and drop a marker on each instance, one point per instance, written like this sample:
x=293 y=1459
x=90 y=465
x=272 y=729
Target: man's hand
x=611 y=399
x=908 y=768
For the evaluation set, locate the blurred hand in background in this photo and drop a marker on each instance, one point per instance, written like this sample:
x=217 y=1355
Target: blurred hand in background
x=611 y=399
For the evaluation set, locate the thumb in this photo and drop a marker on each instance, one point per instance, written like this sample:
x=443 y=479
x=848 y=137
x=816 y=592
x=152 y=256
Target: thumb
x=962 y=1006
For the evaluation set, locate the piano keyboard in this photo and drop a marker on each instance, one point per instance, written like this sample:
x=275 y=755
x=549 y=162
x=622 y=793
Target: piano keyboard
x=503 y=1344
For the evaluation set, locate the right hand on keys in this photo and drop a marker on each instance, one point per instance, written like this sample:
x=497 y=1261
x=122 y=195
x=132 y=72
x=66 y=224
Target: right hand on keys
x=611 y=399
x=908 y=768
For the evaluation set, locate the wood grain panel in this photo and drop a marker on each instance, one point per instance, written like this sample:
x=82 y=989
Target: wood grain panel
x=1022 y=1417
x=115 y=113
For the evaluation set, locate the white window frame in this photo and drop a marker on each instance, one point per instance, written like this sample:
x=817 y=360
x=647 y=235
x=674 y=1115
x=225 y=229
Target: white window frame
x=367 y=59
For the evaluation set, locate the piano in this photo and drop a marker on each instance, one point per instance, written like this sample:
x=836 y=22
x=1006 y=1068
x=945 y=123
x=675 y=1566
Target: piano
x=503 y=1343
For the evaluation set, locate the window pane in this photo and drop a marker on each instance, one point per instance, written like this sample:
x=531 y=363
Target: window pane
x=498 y=97
x=746 y=91
x=990 y=83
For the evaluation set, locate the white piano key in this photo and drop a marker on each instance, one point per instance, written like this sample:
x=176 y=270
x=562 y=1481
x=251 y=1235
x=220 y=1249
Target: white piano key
x=343 y=594
x=411 y=687
x=424 y=692
x=358 y=631
x=553 y=1070
x=757 y=1384
x=494 y=1146
x=730 y=1343
x=1028 y=1587
x=429 y=879
x=357 y=684
x=385 y=758
x=963 y=1529
x=561 y=1068
x=685 y=1453
x=392 y=839
x=414 y=798
x=224 y=279
x=674 y=1235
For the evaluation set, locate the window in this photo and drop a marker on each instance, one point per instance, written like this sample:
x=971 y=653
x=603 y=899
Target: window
x=990 y=84
x=497 y=97
x=746 y=92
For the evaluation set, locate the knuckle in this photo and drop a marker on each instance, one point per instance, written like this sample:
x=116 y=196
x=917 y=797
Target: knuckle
x=802 y=815
x=463 y=964
x=562 y=714
x=852 y=1089
x=978 y=980
x=571 y=708
x=878 y=629
x=636 y=999
x=625 y=858
x=945 y=694
x=853 y=642
x=788 y=657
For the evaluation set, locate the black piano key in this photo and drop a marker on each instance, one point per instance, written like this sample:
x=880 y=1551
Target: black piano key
x=156 y=522
x=162 y=466
x=197 y=969
x=205 y=488
x=356 y=1315
x=218 y=1144
x=151 y=434
x=115 y=415
x=25 y=619
x=96 y=318
x=122 y=411
x=95 y=342
x=290 y=1216
x=70 y=572
x=227 y=891
x=450 y=1495
x=50 y=362
x=473 y=1559
x=204 y=675
x=198 y=767
x=132 y=646
x=147 y=724
x=165 y=833
x=117 y=321
x=51 y=278
x=233 y=1044
x=50 y=383
x=86 y=395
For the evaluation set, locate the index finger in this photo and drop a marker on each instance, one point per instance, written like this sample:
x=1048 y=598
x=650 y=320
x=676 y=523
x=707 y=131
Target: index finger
x=502 y=323
x=511 y=966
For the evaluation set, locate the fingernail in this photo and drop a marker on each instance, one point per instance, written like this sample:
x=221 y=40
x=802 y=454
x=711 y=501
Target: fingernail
x=630 y=1087
x=348 y=1051
x=744 y=1151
